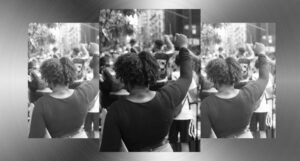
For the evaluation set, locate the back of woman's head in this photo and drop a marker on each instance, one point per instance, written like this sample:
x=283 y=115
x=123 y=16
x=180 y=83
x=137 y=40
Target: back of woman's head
x=222 y=71
x=58 y=71
x=158 y=43
x=133 y=69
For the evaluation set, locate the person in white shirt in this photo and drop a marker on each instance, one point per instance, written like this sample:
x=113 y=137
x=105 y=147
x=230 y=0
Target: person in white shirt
x=184 y=119
x=264 y=109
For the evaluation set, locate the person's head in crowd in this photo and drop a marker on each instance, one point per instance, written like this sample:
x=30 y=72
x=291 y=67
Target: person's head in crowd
x=132 y=42
x=58 y=72
x=80 y=66
x=220 y=49
x=197 y=66
x=55 y=56
x=245 y=65
x=54 y=49
x=93 y=49
x=32 y=65
x=241 y=50
x=163 y=63
x=115 y=55
x=75 y=52
x=137 y=71
x=271 y=55
x=224 y=72
x=158 y=44
x=105 y=61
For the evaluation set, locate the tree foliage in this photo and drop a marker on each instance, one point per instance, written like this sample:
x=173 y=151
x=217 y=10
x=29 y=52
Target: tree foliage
x=40 y=38
x=114 y=25
x=209 y=37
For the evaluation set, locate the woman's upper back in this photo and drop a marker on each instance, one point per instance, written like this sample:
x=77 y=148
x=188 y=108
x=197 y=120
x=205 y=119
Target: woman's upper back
x=143 y=124
x=63 y=116
x=228 y=116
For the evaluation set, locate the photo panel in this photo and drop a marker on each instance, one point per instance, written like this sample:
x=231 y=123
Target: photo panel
x=238 y=94
x=63 y=80
x=145 y=104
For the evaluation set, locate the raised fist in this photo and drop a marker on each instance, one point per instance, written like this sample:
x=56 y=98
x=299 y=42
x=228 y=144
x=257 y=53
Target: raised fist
x=259 y=48
x=94 y=48
x=181 y=41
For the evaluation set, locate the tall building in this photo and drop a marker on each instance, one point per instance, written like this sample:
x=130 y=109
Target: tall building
x=70 y=35
x=235 y=35
x=184 y=21
x=262 y=32
x=232 y=36
x=89 y=32
x=151 y=24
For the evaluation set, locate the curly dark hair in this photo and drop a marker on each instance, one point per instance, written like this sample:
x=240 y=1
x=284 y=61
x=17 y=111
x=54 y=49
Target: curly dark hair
x=133 y=69
x=222 y=71
x=58 y=71
x=159 y=43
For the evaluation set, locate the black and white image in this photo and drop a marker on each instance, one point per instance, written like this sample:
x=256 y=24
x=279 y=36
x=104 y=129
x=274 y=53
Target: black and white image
x=149 y=67
x=238 y=80
x=63 y=80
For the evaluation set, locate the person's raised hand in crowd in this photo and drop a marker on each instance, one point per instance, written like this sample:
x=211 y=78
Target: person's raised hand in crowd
x=259 y=48
x=94 y=49
x=181 y=41
x=250 y=51
x=170 y=45
x=84 y=50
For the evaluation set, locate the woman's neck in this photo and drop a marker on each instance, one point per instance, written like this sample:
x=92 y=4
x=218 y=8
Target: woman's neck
x=139 y=90
x=225 y=88
x=227 y=91
x=61 y=91
x=141 y=94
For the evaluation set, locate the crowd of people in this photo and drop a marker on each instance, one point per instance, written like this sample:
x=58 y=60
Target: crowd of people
x=155 y=98
x=152 y=98
x=63 y=91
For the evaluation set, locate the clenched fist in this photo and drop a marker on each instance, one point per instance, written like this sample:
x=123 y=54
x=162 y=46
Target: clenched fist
x=259 y=48
x=181 y=41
